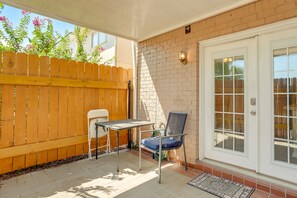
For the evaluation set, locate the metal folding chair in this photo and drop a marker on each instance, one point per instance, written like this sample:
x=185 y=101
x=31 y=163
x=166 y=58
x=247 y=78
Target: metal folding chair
x=97 y=115
x=172 y=138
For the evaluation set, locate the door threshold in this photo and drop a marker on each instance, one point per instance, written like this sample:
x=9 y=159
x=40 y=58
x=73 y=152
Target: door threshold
x=248 y=177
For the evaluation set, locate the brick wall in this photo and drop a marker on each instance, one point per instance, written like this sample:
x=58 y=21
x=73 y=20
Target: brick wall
x=164 y=84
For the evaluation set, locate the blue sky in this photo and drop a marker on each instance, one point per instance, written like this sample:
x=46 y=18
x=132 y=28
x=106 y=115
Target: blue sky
x=14 y=15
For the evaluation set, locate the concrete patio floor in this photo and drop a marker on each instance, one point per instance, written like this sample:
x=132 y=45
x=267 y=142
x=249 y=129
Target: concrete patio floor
x=98 y=178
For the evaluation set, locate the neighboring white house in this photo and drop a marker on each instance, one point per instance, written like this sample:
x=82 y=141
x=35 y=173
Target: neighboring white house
x=119 y=48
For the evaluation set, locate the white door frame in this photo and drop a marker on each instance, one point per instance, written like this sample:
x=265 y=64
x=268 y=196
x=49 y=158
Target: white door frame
x=287 y=24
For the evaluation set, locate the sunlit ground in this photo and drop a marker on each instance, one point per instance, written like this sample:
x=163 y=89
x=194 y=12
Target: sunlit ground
x=98 y=178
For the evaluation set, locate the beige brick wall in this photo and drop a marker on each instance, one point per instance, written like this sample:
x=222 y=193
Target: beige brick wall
x=164 y=84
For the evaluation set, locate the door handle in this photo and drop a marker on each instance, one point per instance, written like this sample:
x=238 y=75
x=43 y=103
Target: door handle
x=253 y=113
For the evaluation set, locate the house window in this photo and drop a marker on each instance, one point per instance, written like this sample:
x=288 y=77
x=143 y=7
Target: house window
x=285 y=104
x=98 y=38
x=229 y=130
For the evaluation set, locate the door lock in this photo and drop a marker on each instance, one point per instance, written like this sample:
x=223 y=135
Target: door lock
x=253 y=112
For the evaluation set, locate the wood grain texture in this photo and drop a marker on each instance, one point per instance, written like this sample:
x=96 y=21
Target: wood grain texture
x=46 y=102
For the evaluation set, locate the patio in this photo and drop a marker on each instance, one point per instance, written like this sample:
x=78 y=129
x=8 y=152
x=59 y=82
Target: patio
x=251 y=131
x=98 y=178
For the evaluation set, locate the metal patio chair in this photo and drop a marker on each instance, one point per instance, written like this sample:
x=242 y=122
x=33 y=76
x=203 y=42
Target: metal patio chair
x=97 y=115
x=172 y=138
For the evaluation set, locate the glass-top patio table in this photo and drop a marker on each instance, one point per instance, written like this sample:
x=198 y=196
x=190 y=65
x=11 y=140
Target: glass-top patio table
x=117 y=126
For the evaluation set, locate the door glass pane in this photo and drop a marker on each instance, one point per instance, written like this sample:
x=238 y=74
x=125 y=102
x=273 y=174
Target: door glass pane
x=228 y=122
x=292 y=58
x=239 y=142
x=238 y=65
x=293 y=81
x=239 y=123
x=228 y=66
x=239 y=104
x=280 y=151
x=293 y=129
x=280 y=127
x=292 y=104
x=218 y=67
x=228 y=141
x=218 y=139
x=219 y=103
x=239 y=84
x=280 y=104
x=280 y=59
x=293 y=153
x=218 y=85
x=280 y=82
x=228 y=84
x=229 y=103
x=219 y=121
x=285 y=104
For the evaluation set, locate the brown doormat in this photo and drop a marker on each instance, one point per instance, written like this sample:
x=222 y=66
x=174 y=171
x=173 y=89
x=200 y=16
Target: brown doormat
x=221 y=187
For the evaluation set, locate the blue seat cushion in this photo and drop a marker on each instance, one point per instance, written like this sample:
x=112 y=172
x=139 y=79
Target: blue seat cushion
x=167 y=143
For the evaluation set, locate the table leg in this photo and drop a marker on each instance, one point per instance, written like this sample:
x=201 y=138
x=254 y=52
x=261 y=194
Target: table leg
x=118 y=155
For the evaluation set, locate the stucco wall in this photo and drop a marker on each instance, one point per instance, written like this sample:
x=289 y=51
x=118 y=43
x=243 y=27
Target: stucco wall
x=164 y=84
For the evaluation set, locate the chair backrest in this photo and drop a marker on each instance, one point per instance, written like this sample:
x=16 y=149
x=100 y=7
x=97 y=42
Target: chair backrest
x=97 y=115
x=176 y=124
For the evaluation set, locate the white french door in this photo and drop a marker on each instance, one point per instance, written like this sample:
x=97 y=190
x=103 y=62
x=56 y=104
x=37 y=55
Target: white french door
x=248 y=100
x=230 y=82
x=278 y=104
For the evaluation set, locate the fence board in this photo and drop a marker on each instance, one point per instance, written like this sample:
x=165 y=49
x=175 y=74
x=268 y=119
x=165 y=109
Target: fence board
x=8 y=62
x=20 y=115
x=41 y=157
x=6 y=137
x=72 y=67
x=95 y=72
x=114 y=94
x=52 y=155
x=79 y=149
x=6 y=165
x=43 y=124
x=80 y=70
x=79 y=111
x=44 y=66
x=18 y=162
x=32 y=115
x=33 y=65
x=62 y=153
x=71 y=151
x=63 y=103
x=102 y=74
x=71 y=113
x=21 y=101
x=31 y=159
x=88 y=71
x=53 y=112
x=21 y=64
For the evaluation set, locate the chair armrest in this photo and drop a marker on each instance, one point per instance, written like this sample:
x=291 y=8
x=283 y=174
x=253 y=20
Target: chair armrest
x=175 y=135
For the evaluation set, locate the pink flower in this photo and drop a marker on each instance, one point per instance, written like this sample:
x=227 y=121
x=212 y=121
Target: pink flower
x=102 y=48
x=24 y=12
x=3 y=18
x=37 y=22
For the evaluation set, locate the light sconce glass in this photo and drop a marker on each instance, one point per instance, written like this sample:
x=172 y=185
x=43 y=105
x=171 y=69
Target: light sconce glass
x=182 y=56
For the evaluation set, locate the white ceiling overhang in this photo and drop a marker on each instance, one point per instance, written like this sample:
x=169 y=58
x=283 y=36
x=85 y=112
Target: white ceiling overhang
x=132 y=19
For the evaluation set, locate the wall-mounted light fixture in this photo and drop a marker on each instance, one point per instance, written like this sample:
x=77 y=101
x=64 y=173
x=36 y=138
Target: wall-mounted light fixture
x=182 y=56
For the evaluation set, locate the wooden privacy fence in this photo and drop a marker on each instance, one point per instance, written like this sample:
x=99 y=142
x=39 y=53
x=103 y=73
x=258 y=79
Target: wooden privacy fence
x=44 y=104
